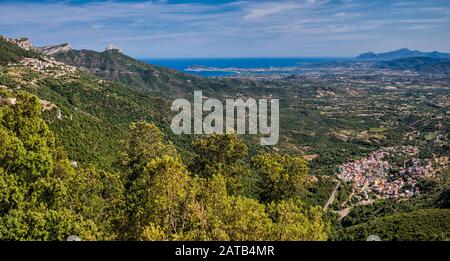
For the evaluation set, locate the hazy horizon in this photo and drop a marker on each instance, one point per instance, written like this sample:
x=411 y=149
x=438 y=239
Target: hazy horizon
x=243 y=57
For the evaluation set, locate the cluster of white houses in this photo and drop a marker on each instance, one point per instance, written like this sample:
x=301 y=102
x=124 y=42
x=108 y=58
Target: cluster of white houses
x=374 y=176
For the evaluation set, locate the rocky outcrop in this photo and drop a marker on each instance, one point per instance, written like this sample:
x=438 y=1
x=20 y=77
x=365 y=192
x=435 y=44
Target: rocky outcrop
x=7 y=100
x=23 y=43
x=26 y=44
x=54 y=49
x=47 y=106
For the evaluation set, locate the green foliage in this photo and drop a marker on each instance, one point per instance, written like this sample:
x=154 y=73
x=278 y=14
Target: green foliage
x=143 y=143
x=242 y=180
x=216 y=152
x=294 y=222
x=220 y=216
x=159 y=198
x=282 y=176
x=166 y=201
x=444 y=199
x=427 y=224
x=7 y=81
x=33 y=141
x=33 y=195
x=98 y=196
x=41 y=223
x=154 y=196
x=42 y=196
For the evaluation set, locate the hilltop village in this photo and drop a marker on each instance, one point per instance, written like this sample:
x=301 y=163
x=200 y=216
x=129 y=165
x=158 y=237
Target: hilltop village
x=379 y=176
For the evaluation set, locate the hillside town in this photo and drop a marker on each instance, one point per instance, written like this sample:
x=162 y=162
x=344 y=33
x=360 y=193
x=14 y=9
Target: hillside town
x=374 y=177
x=48 y=65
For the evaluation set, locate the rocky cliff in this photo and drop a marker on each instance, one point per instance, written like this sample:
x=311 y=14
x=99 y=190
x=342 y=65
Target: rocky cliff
x=23 y=43
x=54 y=49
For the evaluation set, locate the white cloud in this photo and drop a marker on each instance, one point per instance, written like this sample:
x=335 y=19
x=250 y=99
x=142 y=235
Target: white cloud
x=269 y=9
x=235 y=27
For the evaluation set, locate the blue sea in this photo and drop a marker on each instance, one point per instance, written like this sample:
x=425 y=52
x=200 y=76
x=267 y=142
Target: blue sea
x=183 y=64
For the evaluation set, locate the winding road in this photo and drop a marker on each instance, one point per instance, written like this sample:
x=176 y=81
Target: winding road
x=333 y=195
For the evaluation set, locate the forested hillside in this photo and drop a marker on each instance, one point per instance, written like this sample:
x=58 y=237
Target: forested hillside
x=421 y=225
x=151 y=194
x=113 y=65
x=132 y=183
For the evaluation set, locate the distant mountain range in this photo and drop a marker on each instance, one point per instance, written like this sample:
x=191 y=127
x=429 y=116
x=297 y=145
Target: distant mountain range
x=401 y=54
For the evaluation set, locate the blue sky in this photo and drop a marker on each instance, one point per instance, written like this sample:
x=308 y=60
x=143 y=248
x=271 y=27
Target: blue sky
x=243 y=28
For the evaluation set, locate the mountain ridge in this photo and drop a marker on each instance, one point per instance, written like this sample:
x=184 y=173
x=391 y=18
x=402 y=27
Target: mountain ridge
x=401 y=54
